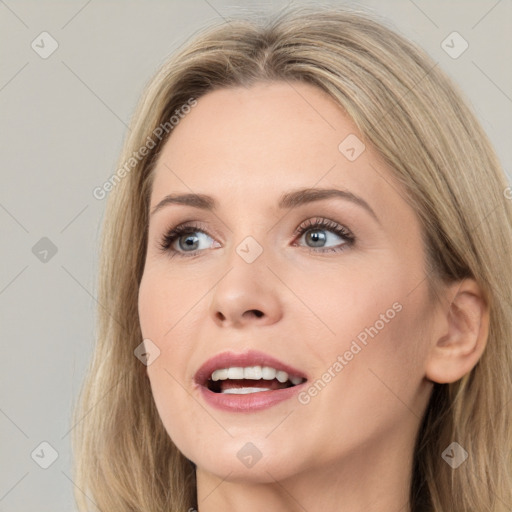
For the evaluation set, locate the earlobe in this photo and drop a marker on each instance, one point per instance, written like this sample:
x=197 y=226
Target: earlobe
x=463 y=320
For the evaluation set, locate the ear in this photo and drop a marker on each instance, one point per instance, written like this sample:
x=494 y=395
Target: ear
x=463 y=320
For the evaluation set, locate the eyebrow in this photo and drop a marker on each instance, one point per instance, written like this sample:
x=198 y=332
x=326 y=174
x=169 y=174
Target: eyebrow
x=288 y=200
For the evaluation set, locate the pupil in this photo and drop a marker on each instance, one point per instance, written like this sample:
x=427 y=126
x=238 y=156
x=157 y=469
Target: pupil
x=188 y=240
x=317 y=236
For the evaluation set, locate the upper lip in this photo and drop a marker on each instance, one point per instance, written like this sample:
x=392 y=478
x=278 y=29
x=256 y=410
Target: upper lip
x=249 y=358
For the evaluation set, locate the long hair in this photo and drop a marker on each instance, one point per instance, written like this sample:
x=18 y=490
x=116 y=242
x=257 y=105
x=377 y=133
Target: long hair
x=419 y=122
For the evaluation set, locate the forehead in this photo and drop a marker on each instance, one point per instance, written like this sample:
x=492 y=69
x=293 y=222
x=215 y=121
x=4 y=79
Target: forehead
x=249 y=145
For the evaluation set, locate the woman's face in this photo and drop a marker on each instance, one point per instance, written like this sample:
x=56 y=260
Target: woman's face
x=342 y=307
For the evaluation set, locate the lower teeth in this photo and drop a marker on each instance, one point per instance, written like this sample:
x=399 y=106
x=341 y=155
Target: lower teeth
x=243 y=391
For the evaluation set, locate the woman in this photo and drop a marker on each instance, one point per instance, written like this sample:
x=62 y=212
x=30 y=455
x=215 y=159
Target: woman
x=305 y=284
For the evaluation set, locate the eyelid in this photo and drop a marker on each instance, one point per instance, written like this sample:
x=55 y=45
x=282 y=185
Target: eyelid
x=323 y=223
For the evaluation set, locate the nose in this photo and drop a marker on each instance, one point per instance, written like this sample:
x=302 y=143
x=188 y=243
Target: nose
x=246 y=294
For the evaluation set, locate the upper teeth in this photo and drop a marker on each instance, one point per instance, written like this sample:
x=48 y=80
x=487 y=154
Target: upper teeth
x=254 y=372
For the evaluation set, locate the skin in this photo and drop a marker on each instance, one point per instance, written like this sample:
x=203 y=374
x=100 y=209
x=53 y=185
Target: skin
x=350 y=447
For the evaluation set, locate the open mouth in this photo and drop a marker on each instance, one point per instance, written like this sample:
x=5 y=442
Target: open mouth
x=237 y=380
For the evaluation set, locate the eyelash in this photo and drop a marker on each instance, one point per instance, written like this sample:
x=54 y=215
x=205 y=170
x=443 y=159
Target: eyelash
x=186 y=229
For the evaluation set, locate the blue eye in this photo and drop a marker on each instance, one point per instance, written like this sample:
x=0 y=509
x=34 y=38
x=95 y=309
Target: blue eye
x=316 y=231
x=186 y=237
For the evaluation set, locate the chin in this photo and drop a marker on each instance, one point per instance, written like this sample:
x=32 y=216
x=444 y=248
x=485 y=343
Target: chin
x=258 y=460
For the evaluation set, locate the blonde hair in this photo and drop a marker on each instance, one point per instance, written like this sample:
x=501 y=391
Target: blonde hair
x=410 y=112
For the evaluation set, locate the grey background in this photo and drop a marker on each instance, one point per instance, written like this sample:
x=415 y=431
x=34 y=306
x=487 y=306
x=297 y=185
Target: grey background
x=63 y=121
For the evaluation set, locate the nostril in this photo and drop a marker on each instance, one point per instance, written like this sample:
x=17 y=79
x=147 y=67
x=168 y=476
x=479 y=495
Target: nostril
x=256 y=312
x=251 y=312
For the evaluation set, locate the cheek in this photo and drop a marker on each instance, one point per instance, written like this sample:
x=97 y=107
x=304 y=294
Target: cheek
x=379 y=356
x=368 y=381
x=377 y=321
x=159 y=313
x=168 y=318
x=161 y=307
x=164 y=303
x=346 y=303
x=154 y=300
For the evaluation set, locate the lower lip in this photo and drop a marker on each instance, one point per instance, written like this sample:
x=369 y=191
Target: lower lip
x=251 y=401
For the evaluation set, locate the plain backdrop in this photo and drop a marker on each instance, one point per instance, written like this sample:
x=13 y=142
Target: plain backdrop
x=63 y=120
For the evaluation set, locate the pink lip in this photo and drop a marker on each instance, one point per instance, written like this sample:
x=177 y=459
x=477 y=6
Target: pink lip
x=249 y=402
